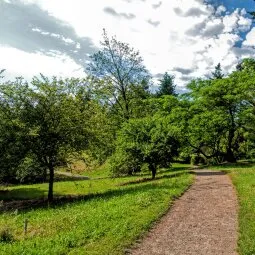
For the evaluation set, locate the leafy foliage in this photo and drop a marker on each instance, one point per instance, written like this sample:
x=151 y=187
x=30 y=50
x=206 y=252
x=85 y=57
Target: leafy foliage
x=166 y=85
x=121 y=74
x=217 y=73
x=51 y=122
x=148 y=140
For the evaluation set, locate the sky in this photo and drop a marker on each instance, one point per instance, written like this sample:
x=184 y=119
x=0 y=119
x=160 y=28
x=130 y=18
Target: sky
x=186 y=38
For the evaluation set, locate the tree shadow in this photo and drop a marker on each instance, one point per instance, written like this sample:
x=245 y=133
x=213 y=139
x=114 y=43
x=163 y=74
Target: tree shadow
x=21 y=194
x=211 y=173
x=143 y=180
x=240 y=164
x=148 y=174
x=59 y=201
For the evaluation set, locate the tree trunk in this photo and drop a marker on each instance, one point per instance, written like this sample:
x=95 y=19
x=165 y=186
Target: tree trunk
x=230 y=157
x=51 y=180
x=44 y=174
x=153 y=170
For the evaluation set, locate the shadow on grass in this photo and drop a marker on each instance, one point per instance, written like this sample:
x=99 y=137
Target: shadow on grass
x=26 y=205
x=21 y=194
x=244 y=164
x=238 y=165
x=206 y=173
x=143 y=180
x=148 y=174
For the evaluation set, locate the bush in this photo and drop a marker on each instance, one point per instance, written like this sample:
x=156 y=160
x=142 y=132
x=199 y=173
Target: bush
x=123 y=164
x=197 y=159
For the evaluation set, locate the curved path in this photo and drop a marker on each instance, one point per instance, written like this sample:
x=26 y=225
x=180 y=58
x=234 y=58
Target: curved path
x=203 y=221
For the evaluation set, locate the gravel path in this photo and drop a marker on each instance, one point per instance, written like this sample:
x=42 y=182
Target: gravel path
x=202 y=221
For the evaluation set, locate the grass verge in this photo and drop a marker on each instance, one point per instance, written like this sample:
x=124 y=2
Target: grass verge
x=243 y=177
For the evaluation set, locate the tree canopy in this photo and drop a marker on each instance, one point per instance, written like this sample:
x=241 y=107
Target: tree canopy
x=121 y=74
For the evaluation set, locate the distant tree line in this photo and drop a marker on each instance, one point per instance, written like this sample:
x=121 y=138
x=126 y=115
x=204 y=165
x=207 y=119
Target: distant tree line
x=113 y=115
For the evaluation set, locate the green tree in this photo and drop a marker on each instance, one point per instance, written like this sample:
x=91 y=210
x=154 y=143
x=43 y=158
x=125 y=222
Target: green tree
x=120 y=73
x=247 y=64
x=149 y=141
x=13 y=145
x=215 y=124
x=166 y=85
x=53 y=117
x=217 y=73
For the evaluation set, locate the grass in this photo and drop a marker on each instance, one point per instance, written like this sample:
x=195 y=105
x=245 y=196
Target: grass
x=243 y=177
x=84 y=187
x=107 y=223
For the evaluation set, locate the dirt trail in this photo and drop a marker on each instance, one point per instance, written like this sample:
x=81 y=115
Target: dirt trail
x=203 y=221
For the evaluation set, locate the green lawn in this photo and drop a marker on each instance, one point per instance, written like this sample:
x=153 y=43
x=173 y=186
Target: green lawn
x=243 y=177
x=107 y=223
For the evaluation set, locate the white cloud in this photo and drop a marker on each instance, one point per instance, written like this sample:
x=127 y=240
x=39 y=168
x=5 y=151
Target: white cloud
x=221 y=9
x=250 y=38
x=20 y=63
x=185 y=35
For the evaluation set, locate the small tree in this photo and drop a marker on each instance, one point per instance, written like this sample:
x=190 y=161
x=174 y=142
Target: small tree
x=166 y=85
x=121 y=73
x=217 y=73
x=148 y=140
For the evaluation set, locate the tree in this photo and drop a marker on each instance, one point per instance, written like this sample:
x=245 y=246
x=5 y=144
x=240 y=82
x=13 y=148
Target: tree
x=53 y=117
x=247 y=64
x=149 y=140
x=166 y=85
x=120 y=73
x=217 y=73
x=215 y=124
x=12 y=133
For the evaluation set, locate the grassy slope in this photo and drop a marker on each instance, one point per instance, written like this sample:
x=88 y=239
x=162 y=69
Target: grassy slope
x=243 y=177
x=105 y=224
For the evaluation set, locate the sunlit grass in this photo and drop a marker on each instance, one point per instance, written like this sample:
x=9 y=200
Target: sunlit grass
x=106 y=223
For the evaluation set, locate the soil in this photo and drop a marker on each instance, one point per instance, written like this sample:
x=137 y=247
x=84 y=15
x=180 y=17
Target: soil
x=202 y=221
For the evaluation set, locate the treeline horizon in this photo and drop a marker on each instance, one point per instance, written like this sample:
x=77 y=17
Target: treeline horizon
x=112 y=115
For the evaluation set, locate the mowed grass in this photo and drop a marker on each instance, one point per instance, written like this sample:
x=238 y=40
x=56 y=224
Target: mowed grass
x=243 y=177
x=106 y=223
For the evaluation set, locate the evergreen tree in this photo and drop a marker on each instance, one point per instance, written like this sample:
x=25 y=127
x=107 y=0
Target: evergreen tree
x=166 y=85
x=217 y=74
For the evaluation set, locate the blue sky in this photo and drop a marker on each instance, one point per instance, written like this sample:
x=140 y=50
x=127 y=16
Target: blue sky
x=233 y=4
x=230 y=4
x=187 y=38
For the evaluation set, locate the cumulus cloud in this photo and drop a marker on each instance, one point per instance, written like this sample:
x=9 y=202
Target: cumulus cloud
x=250 y=38
x=186 y=40
x=220 y=9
